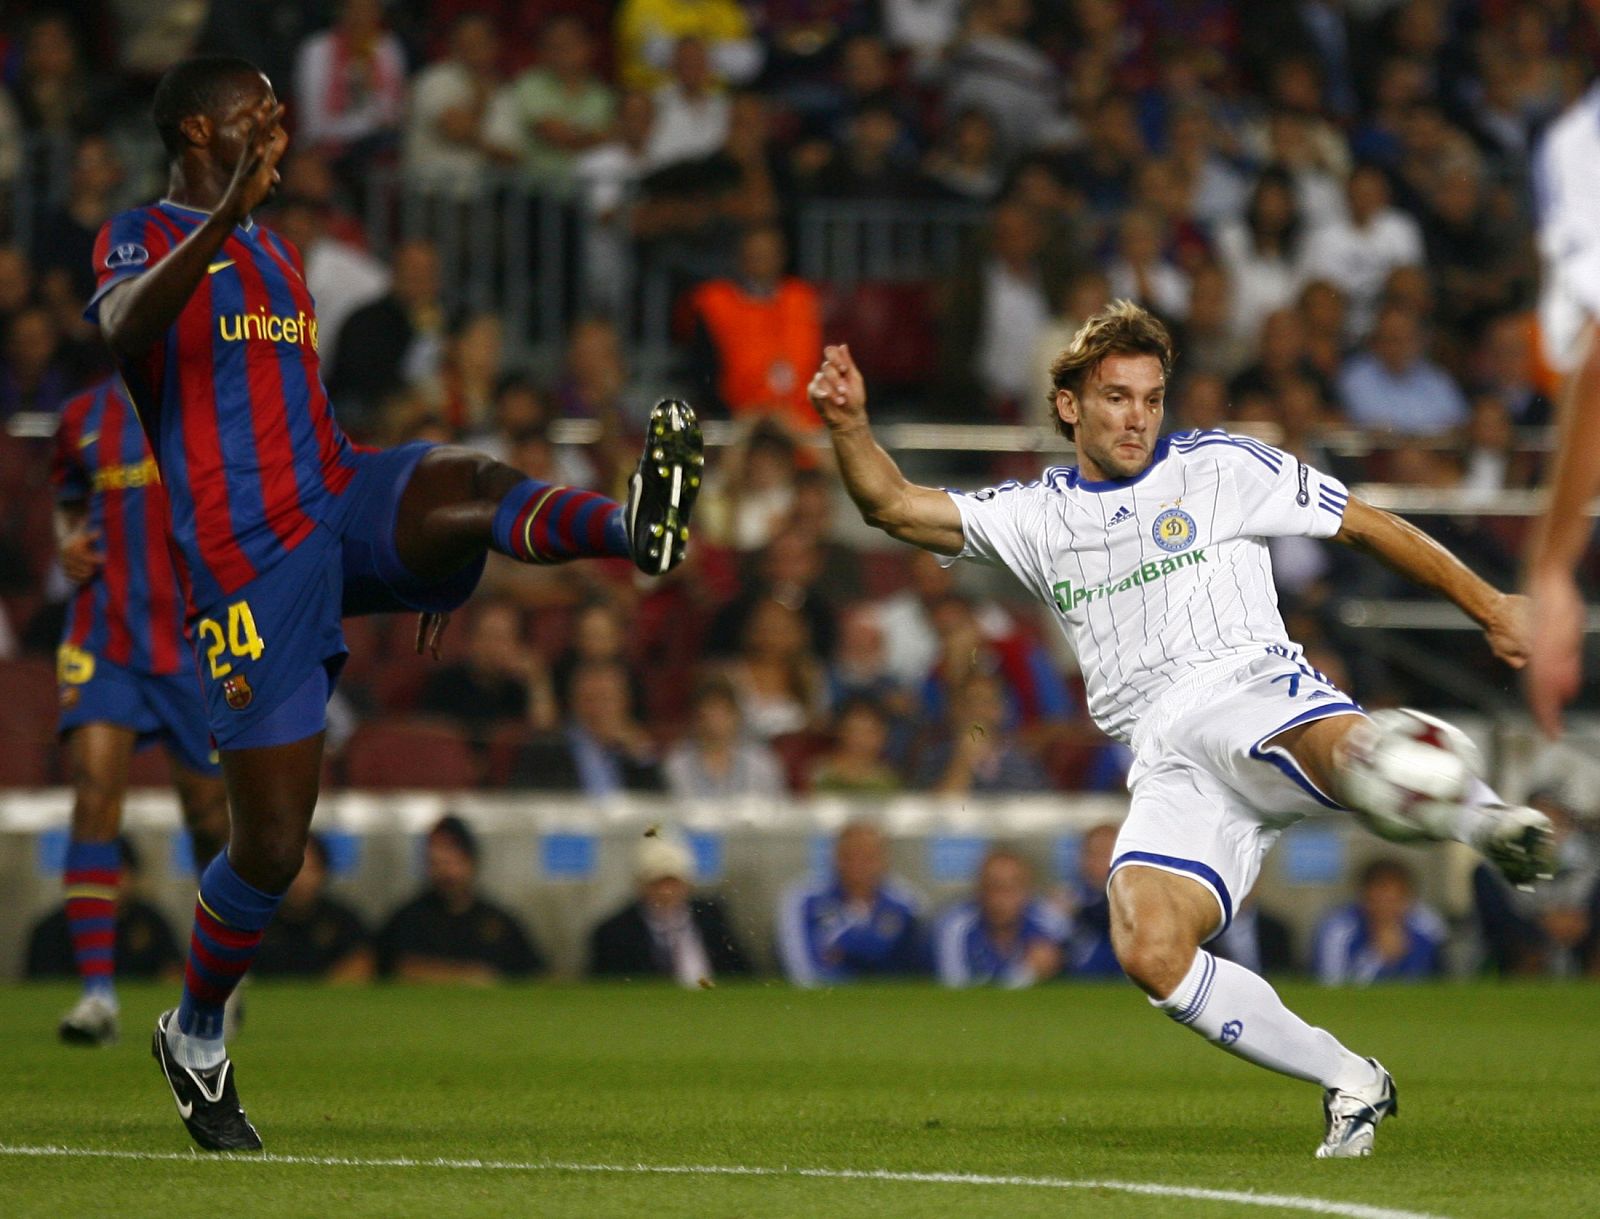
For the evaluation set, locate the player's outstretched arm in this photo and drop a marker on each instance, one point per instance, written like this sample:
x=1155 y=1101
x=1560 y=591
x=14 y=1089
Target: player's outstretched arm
x=1555 y=664
x=1402 y=546
x=136 y=314
x=923 y=516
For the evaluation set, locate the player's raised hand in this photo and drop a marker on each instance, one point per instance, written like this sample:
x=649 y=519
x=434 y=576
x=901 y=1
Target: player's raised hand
x=1555 y=659
x=1509 y=630
x=79 y=559
x=838 y=391
x=257 y=171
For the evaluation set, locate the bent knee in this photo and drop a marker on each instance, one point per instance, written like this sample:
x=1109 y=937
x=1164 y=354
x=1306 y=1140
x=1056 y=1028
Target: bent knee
x=270 y=866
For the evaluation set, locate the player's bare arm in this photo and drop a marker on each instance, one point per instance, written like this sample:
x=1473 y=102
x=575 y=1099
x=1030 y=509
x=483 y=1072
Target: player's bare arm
x=137 y=314
x=922 y=516
x=1411 y=552
x=81 y=559
x=1556 y=661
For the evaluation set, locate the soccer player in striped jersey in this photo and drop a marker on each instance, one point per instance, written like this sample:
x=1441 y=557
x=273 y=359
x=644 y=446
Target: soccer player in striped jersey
x=126 y=676
x=1566 y=180
x=282 y=526
x=1151 y=554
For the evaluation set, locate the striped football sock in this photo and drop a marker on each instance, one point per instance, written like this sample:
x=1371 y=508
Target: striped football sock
x=93 y=872
x=540 y=523
x=1239 y=1011
x=229 y=916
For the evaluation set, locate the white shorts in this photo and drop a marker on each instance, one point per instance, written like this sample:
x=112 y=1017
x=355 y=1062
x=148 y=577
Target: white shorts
x=1209 y=796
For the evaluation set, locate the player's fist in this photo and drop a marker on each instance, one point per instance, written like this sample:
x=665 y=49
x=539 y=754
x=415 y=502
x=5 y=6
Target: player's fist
x=79 y=559
x=838 y=391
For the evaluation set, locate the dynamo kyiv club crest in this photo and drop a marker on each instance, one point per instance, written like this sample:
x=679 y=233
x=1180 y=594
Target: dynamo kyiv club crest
x=1174 y=530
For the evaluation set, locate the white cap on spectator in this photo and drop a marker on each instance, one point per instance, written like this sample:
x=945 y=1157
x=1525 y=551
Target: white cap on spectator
x=662 y=855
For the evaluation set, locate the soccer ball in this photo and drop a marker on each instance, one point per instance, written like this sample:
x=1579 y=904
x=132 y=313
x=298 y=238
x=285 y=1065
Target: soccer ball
x=1404 y=773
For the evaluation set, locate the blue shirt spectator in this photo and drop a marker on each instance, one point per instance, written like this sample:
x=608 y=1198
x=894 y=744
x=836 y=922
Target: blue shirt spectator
x=1005 y=935
x=1385 y=935
x=1393 y=386
x=857 y=923
x=1088 y=946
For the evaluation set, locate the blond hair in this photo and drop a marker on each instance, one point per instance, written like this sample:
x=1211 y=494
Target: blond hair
x=1122 y=328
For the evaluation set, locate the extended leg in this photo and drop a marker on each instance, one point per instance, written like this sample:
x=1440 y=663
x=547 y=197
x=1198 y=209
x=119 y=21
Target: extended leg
x=1158 y=922
x=1516 y=840
x=98 y=755
x=459 y=503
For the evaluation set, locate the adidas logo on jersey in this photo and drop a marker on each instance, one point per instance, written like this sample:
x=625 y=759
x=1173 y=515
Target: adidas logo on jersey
x=1120 y=515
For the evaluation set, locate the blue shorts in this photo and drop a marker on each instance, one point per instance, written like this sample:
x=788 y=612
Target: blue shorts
x=271 y=652
x=158 y=708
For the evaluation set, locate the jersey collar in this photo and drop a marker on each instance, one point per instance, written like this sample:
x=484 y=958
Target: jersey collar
x=1077 y=481
x=247 y=226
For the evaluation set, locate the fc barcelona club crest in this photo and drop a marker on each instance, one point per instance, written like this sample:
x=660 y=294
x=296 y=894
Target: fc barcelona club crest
x=1173 y=530
x=237 y=691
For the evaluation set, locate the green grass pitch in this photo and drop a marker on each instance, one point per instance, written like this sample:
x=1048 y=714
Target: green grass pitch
x=1500 y=1091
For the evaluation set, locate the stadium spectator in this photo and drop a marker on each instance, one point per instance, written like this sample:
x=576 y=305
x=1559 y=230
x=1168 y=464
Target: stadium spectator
x=600 y=635
x=666 y=931
x=1280 y=359
x=350 y=90
x=756 y=333
x=342 y=277
x=1357 y=253
x=716 y=760
x=450 y=932
x=55 y=91
x=858 y=666
x=448 y=102
x=462 y=392
x=813 y=518
x=1551 y=930
x=314 y=935
x=856 y=923
x=967 y=164
x=857 y=764
x=607 y=179
x=750 y=494
x=145 y=946
x=33 y=376
x=1218 y=192
x=547 y=117
x=1319 y=169
x=1211 y=343
x=1480 y=257
x=1385 y=935
x=1504 y=369
x=907 y=618
x=65 y=237
x=789 y=569
x=976 y=752
x=1083 y=295
x=776 y=672
x=1088 y=944
x=691 y=112
x=499 y=680
x=1102 y=168
x=1140 y=271
x=994 y=68
x=601 y=749
x=997 y=306
x=647 y=31
x=1005 y=935
x=1322 y=317
x=993 y=643
x=393 y=341
x=869 y=162
x=1392 y=386
x=926 y=29
x=1262 y=251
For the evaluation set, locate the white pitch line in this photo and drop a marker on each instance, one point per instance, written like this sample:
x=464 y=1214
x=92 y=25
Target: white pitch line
x=1288 y=1202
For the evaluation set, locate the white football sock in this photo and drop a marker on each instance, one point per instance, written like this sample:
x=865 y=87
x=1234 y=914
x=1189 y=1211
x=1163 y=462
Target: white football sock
x=1239 y=1011
x=1471 y=821
x=196 y=1053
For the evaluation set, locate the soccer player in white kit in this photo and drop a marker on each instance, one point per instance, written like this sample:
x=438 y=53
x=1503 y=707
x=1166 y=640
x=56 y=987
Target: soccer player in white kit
x=1566 y=182
x=1151 y=552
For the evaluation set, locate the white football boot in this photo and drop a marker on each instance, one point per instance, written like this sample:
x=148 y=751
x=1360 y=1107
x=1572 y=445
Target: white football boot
x=92 y=1021
x=1353 y=1117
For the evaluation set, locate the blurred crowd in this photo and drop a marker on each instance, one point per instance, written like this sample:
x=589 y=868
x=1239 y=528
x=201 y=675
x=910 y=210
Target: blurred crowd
x=854 y=921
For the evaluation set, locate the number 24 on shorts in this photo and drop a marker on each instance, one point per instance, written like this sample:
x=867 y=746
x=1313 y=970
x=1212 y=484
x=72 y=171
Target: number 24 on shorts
x=241 y=640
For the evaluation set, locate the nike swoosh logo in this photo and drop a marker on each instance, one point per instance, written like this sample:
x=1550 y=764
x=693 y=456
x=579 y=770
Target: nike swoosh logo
x=219 y=266
x=185 y=1108
x=88 y=439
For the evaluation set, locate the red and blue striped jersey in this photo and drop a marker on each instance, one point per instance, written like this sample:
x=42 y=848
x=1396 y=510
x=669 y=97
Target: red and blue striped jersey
x=232 y=399
x=132 y=612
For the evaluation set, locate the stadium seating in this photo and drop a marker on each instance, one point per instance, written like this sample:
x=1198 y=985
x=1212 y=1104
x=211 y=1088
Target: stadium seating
x=392 y=754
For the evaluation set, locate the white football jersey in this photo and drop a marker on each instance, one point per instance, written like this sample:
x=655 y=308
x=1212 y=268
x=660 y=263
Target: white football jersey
x=1162 y=577
x=1566 y=196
